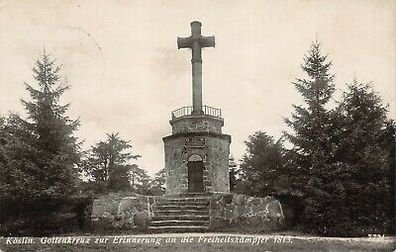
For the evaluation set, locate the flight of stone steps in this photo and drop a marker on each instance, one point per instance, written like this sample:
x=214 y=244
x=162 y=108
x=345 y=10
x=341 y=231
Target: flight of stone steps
x=188 y=213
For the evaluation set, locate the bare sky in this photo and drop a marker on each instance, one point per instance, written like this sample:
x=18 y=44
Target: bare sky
x=121 y=59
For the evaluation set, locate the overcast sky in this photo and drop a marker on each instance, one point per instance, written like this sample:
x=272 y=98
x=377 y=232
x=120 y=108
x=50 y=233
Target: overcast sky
x=126 y=74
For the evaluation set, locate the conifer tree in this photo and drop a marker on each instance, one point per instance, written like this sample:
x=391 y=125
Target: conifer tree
x=107 y=164
x=366 y=144
x=310 y=123
x=140 y=180
x=261 y=165
x=341 y=160
x=312 y=139
x=42 y=152
x=157 y=185
x=20 y=175
x=57 y=147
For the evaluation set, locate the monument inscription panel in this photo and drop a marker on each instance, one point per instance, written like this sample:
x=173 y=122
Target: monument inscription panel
x=194 y=142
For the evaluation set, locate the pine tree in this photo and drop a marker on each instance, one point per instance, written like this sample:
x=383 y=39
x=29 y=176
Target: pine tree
x=140 y=180
x=43 y=152
x=340 y=161
x=107 y=164
x=312 y=139
x=157 y=185
x=261 y=165
x=365 y=147
x=311 y=123
x=18 y=165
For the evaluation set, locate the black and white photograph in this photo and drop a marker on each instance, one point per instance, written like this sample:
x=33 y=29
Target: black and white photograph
x=197 y=125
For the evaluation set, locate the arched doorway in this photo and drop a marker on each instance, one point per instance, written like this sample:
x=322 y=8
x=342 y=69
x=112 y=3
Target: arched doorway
x=195 y=173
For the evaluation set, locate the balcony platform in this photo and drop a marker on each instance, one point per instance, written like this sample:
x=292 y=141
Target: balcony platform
x=188 y=111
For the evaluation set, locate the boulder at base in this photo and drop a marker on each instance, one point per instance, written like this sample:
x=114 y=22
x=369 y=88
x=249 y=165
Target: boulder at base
x=119 y=212
x=233 y=212
x=173 y=213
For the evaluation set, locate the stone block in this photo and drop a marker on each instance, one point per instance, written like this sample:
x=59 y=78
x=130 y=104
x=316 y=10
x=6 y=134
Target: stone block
x=121 y=212
x=142 y=219
x=214 y=156
x=243 y=213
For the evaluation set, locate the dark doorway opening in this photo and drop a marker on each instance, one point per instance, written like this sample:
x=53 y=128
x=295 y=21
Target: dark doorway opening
x=195 y=176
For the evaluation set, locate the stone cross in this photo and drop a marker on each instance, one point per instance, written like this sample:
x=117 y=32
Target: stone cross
x=196 y=42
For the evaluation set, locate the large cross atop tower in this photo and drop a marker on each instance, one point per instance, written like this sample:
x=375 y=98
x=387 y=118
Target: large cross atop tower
x=196 y=153
x=196 y=42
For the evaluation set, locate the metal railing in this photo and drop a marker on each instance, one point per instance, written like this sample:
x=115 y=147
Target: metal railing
x=188 y=110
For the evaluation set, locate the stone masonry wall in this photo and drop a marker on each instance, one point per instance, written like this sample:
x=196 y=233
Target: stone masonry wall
x=233 y=212
x=119 y=212
x=197 y=124
x=228 y=212
x=215 y=155
x=217 y=164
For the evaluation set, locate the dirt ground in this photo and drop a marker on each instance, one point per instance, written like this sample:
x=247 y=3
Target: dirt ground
x=202 y=242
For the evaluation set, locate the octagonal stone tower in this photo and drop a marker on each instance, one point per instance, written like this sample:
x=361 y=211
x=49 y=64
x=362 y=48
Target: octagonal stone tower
x=197 y=152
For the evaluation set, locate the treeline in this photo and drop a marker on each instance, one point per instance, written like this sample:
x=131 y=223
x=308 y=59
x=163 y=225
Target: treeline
x=339 y=168
x=47 y=181
x=40 y=155
x=106 y=167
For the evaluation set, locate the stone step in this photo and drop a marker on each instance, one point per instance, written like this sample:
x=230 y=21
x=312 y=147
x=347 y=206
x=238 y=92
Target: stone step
x=181 y=217
x=189 y=213
x=189 y=194
x=181 y=211
x=158 y=223
x=185 y=202
x=179 y=229
x=167 y=206
x=187 y=197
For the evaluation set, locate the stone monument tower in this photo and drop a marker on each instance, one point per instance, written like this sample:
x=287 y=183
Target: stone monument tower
x=197 y=152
